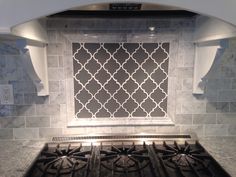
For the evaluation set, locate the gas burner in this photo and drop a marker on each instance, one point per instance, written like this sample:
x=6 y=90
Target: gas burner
x=183 y=158
x=63 y=160
x=124 y=159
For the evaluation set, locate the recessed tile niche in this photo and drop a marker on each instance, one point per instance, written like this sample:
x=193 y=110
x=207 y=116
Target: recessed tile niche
x=114 y=80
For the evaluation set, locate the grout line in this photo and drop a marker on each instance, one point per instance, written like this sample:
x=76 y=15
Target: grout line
x=25 y=121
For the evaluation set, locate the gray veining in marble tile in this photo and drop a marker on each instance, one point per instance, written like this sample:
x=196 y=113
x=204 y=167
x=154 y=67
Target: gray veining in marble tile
x=50 y=109
x=54 y=86
x=6 y=110
x=6 y=48
x=12 y=122
x=26 y=133
x=227 y=95
x=216 y=129
x=24 y=110
x=183 y=119
x=53 y=61
x=49 y=132
x=232 y=106
x=232 y=130
x=23 y=86
x=226 y=119
x=18 y=99
x=6 y=133
x=55 y=74
x=58 y=121
x=204 y=119
x=57 y=98
x=198 y=129
x=187 y=84
x=38 y=121
x=193 y=108
x=214 y=107
x=55 y=49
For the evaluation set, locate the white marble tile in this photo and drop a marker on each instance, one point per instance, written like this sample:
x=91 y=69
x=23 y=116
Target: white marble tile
x=49 y=132
x=26 y=133
x=204 y=119
x=50 y=109
x=226 y=118
x=198 y=129
x=6 y=133
x=12 y=122
x=216 y=130
x=183 y=119
x=38 y=121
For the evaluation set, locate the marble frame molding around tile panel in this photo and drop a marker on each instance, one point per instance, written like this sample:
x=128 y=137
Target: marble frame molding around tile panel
x=76 y=37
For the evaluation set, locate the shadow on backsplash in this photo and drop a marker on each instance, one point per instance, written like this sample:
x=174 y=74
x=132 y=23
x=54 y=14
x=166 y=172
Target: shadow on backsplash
x=220 y=80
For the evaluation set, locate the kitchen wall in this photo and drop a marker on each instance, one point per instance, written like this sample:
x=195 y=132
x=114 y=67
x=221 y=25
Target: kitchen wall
x=32 y=117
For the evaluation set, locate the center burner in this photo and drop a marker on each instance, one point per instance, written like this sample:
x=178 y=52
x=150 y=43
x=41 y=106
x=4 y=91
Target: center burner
x=63 y=160
x=125 y=160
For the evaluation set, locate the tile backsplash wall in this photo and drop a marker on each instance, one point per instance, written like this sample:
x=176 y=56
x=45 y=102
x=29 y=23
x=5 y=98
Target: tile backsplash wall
x=32 y=117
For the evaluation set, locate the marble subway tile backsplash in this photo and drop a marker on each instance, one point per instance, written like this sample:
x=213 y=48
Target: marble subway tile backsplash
x=33 y=117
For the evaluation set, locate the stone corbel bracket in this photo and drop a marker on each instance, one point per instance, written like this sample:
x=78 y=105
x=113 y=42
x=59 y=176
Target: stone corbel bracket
x=206 y=56
x=31 y=40
x=34 y=61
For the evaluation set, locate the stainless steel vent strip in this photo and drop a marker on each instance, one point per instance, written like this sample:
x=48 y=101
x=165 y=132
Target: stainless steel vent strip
x=120 y=137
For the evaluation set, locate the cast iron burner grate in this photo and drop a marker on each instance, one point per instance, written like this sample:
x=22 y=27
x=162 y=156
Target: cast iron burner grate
x=125 y=158
x=186 y=160
x=125 y=161
x=67 y=160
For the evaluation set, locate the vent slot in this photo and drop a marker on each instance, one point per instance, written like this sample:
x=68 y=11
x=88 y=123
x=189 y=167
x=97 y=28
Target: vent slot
x=125 y=6
x=119 y=137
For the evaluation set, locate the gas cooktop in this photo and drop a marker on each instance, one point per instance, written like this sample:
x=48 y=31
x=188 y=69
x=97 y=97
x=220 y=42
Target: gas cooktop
x=125 y=156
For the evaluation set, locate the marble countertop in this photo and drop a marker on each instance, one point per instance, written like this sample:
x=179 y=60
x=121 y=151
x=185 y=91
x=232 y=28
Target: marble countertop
x=22 y=153
x=223 y=150
x=16 y=156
